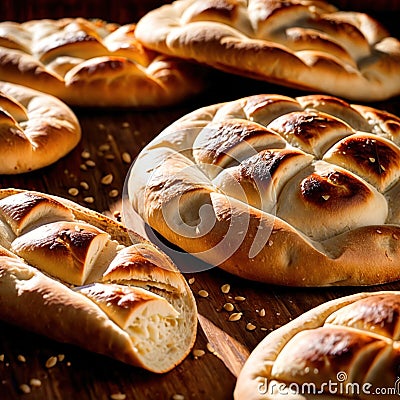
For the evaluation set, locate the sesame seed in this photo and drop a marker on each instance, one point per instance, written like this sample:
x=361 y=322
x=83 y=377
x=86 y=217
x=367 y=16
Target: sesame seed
x=198 y=353
x=326 y=197
x=225 y=288
x=395 y=237
x=1 y=357
x=51 y=362
x=118 y=396
x=25 y=388
x=191 y=281
x=125 y=125
x=382 y=168
x=61 y=357
x=228 y=307
x=89 y=199
x=107 y=179
x=262 y=312
x=35 y=382
x=84 y=185
x=203 y=293
x=250 y=327
x=210 y=348
x=109 y=157
x=90 y=163
x=101 y=126
x=73 y=191
x=240 y=298
x=378 y=231
x=83 y=167
x=178 y=397
x=21 y=358
x=104 y=147
x=126 y=157
x=270 y=243
x=235 y=317
x=372 y=159
x=85 y=154
x=113 y=193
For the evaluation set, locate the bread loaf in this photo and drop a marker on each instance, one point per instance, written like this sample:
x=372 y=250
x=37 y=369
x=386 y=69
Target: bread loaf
x=294 y=191
x=70 y=266
x=310 y=45
x=92 y=63
x=36 y=129
x=344 y=348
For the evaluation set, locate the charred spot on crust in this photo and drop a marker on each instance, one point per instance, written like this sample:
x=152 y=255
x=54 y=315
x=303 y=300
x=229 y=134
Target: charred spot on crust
x=373 y=155
x=307 y=126
x=266 y=162
x=336 y=186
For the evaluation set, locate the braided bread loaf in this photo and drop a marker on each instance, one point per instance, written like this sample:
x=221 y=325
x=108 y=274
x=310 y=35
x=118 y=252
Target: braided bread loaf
x=92 y=63
x=295 y=191
x=345 y=348
x=36 y=129
x=69 y=266
x=305 y=44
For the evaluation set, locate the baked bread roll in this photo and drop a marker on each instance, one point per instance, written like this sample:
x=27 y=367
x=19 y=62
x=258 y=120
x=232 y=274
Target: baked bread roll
x=290 y=191
x=344 y=348
x=92 y=63
x=70 y=266
x=310 y=45
x=36 y=129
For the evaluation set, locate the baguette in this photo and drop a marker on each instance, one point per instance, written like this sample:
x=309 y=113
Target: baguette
x=308 y=45
x=93 y=63
x=70 y=266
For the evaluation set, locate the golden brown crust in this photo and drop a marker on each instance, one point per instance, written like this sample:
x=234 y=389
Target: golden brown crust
x=70 y=244
x=140 y=261
x=274 y=210
x=352 y=340
x=75 y=59
x=53 y=267
x=36 y=129
x=304 y=44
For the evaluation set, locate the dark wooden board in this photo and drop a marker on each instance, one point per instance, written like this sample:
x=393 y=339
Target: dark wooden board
x=86 y=376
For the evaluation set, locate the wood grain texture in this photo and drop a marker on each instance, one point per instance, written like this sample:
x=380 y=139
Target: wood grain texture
x=85 y=376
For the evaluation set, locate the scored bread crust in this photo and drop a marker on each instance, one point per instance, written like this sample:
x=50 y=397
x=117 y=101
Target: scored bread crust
x=349 y=341
x=137 y=318
x=310 y=45
x=37 y=129
x=93 y=63
x=245 y=185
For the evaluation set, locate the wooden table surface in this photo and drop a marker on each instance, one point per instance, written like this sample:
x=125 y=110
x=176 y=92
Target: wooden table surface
x=78 y=374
